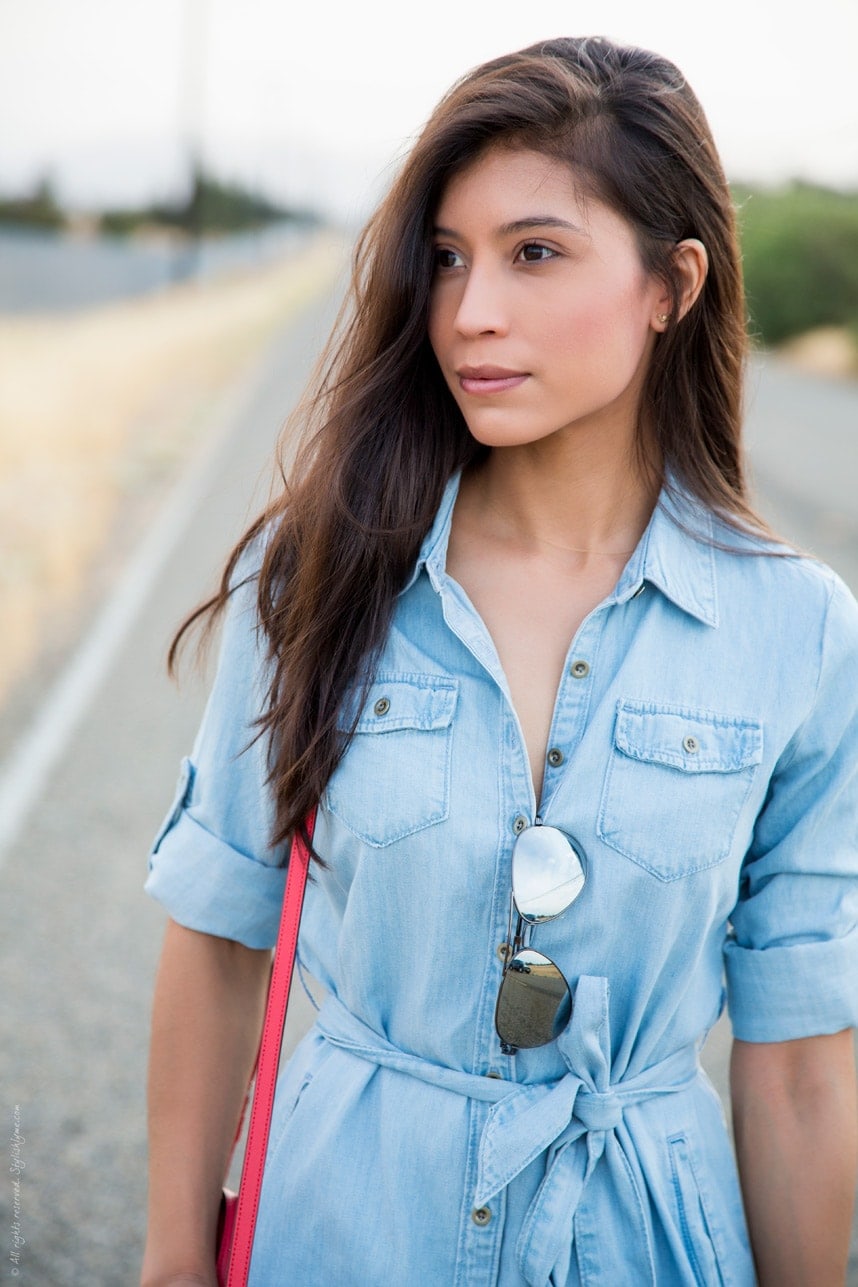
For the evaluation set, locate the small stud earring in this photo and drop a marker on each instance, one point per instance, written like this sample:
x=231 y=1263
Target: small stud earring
x=662 y=317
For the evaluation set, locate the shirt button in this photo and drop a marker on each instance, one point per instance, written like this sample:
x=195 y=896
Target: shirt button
x=555 y=757
x=580 y=669
x=519 y=824
x=481 y=1216
x=691 y=744
x=496 y=1075
x=382 y=706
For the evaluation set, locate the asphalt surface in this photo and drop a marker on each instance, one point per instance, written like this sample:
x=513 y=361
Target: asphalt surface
x=79 y=940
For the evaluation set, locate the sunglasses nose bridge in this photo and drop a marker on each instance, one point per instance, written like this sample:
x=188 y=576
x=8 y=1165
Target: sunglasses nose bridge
x=534 y=1001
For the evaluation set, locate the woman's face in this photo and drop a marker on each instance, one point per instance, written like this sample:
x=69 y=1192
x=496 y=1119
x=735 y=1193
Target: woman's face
x=542 y=317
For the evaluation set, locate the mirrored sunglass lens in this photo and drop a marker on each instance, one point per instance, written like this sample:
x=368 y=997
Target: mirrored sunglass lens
x=534 y=1002
x=547 y=873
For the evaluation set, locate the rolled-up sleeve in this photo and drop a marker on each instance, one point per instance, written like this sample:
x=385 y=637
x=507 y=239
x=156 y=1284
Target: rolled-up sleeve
x=792 y=955
x=211 y=864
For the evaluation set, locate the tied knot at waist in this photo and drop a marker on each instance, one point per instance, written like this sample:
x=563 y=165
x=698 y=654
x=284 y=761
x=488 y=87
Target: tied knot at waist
x=598 y=1112
x=569 y=1120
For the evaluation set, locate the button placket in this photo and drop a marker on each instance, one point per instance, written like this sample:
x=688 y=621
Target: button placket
x=573 y=704
x=482 y=1226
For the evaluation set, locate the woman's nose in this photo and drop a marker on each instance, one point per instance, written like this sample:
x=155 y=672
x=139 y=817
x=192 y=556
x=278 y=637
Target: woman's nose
x=482 y=308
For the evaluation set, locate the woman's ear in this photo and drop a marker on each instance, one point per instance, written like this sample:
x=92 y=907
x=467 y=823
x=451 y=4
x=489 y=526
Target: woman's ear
x=692 y=264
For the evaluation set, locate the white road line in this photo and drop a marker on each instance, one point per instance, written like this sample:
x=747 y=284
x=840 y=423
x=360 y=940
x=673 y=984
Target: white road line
x=31 y=762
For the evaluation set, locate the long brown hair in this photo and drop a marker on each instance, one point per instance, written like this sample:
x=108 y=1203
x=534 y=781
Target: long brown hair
x=382 y=434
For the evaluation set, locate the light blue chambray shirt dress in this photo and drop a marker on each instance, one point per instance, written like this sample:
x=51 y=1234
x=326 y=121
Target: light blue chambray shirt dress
x=706 y=758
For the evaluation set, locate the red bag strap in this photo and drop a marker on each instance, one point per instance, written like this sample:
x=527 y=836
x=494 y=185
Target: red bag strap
x=269 y=1059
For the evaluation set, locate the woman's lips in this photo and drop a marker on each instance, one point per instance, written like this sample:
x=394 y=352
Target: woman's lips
x=489 y=379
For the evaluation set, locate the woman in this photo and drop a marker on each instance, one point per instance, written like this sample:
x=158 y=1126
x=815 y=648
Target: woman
x=518 y=619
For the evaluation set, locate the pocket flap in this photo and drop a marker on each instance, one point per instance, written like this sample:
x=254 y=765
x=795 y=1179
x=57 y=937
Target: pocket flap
x=692 y=741
x=397 y=702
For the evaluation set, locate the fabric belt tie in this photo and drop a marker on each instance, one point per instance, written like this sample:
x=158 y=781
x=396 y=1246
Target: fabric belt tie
x=570 y=1119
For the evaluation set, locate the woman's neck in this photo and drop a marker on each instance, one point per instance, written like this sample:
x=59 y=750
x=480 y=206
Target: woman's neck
x=542 y=499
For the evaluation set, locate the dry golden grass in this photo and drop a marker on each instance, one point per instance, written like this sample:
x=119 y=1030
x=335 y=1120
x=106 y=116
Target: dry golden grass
x=827 y=351
x=98 y=405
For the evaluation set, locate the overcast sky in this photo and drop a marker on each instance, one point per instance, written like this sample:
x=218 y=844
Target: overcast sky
x=108 y=95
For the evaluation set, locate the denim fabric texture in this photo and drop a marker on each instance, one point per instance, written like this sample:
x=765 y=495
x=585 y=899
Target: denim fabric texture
x=708 y=724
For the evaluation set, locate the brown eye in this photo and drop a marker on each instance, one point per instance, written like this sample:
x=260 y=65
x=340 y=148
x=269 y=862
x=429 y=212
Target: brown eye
x=446 y=258
x=534 y=253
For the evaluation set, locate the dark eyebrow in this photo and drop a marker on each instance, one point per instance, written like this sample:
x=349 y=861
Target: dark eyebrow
x=538 y=221
x=522 y=225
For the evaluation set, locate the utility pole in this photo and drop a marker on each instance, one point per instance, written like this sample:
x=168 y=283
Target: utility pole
x=193 y=61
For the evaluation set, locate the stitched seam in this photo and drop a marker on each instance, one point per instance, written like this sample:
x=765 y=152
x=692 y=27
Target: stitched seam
x=685 y=1228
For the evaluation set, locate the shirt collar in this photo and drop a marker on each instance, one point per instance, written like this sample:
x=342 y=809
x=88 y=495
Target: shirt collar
x=433 y=551
x=676 y=553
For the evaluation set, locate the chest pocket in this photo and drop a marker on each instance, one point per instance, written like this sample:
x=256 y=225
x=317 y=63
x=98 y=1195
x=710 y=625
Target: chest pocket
x=394 y=778
x=676 y=782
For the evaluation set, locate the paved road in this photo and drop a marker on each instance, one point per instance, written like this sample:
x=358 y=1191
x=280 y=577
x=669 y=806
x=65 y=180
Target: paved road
x=79 y=939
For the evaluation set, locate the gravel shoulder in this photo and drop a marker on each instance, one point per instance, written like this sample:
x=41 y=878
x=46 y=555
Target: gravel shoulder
x=98 y=410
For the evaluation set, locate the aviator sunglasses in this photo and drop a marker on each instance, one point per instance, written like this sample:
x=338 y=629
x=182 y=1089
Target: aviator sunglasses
x=535 y=1002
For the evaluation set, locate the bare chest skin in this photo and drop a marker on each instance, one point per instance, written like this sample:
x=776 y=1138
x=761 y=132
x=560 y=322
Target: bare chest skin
x=532 y=605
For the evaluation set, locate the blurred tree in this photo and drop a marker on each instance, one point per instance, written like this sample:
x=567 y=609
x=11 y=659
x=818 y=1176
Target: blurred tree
x=210 y=207
x=39 y=209
x=800 y=252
